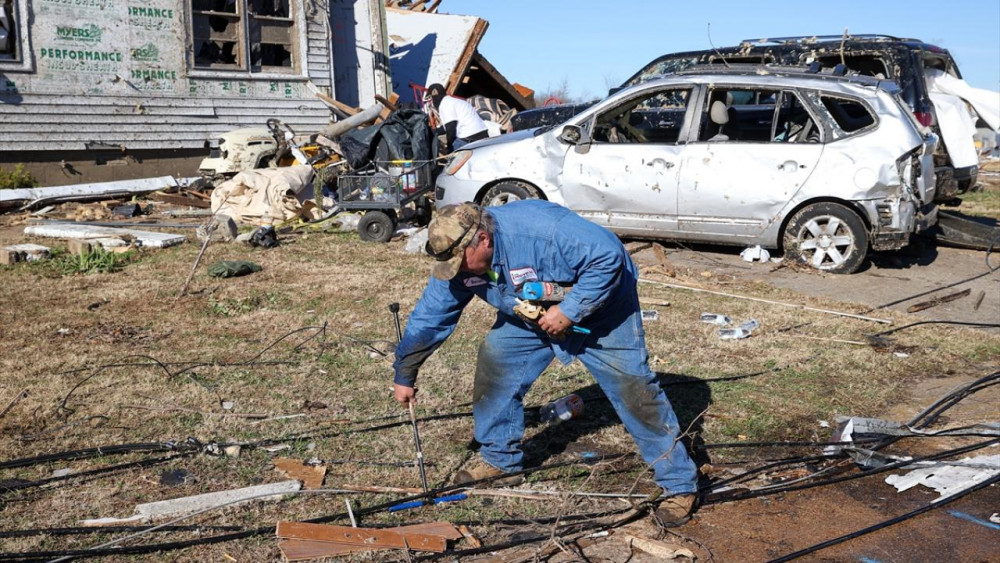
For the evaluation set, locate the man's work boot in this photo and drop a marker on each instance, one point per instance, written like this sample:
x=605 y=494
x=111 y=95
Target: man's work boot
x=483 y=470
x=676 y=510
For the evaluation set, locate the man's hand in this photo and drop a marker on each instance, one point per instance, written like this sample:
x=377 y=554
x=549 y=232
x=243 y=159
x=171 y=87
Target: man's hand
x=405 y=395
x=554 y=322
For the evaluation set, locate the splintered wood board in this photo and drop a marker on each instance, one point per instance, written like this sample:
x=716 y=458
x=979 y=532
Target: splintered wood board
x=368 y=537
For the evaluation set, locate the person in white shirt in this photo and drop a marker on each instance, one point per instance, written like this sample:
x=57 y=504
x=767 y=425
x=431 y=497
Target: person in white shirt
x=460 y=122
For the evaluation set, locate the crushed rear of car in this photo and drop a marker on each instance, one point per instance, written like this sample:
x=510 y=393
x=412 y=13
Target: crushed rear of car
x=825 y=167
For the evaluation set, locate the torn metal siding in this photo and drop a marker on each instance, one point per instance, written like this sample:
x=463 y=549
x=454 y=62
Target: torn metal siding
x=116 y=73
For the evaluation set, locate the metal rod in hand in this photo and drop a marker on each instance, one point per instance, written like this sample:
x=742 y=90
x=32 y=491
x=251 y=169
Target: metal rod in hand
x=420 y=453
x=394 y=308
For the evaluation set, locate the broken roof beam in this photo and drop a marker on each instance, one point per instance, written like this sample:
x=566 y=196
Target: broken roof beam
x=482 y=68
x=465 y=60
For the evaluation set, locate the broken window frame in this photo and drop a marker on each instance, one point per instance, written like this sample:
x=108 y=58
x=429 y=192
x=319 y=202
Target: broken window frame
x=600 y=127
x=18 y=20
x=250 y=35
x=839 y=132
x=757 y=93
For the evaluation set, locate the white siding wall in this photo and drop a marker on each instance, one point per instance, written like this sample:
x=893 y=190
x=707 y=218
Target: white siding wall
x=142 y=96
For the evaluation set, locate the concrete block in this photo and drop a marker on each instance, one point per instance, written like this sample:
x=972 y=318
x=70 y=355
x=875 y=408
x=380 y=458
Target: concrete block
x=79 y=246
x=24 y=253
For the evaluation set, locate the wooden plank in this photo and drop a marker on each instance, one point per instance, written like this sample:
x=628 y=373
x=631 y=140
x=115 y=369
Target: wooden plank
x=369 y=537
x=938 y=301
x=302 y=550
x=472 y=43
x=180 y=200
x=447 y=530
x=311 y=475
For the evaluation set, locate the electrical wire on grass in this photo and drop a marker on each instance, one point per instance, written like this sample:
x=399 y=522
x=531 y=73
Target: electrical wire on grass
x=192 y=446
x=104 y=549
x=947 y=401
x=149 y=548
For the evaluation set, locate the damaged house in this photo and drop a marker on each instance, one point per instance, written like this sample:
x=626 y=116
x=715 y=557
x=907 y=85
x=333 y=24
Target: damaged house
x=99 y=90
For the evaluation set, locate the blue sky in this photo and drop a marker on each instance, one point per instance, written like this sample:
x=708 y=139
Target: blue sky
x=590 y=45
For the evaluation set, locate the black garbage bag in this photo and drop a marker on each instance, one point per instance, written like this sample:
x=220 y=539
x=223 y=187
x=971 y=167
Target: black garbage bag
x=406 y=134
x=264 y=237
x=233 y=268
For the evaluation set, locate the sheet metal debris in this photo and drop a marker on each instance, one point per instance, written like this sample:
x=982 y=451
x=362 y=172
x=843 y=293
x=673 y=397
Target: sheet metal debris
x=850 y=427
x=34 y=197
x=82 y=231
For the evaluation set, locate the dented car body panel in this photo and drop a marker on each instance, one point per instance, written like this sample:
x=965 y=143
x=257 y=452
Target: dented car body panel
x=721 y=157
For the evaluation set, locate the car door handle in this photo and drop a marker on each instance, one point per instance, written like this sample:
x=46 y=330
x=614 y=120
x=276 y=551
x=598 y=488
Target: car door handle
x=790 y=166
x=660 y=163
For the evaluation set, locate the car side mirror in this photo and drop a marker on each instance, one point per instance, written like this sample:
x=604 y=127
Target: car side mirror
x=615 y=90
x=571 y=134
x=574 y=135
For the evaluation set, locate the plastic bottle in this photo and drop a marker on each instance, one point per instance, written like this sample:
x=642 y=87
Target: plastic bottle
x=740 y=332
x=542 y=291
x=409 y=182
x=562 y=409
x=737 y=333
x=715 y=319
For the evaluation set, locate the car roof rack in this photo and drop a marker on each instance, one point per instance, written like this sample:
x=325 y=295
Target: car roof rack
x=807 y=39
x=836 y=74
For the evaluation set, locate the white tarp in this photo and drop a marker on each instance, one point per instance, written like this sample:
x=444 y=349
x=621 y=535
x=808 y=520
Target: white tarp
x=985 y=102
x=277 y=193
x=958 y=126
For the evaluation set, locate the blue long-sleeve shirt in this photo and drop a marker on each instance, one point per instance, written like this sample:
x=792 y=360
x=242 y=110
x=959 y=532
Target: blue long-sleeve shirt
x=534 y=240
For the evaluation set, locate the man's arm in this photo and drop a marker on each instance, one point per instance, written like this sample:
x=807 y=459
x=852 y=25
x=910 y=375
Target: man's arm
x=599 y=259
x=450 y=133
x=431 y=323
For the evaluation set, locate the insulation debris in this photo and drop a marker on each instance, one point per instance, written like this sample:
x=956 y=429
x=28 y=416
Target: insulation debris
x=951 y=478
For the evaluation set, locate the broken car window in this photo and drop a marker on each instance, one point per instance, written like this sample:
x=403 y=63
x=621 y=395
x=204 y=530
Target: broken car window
x=655 y=117
x=756 y=116
x=850 y=115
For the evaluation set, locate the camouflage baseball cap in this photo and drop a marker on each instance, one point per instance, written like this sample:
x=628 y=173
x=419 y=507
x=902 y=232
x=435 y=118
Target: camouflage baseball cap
x=450 y=232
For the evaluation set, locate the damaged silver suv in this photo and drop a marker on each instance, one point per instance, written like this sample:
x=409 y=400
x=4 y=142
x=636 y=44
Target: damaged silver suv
x=822 y=166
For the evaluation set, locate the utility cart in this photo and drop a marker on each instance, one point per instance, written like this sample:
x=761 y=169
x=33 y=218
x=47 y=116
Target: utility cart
x=384 y=190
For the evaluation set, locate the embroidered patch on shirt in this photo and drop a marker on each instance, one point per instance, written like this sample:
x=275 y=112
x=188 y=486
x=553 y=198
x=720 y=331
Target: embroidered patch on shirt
x=474 y=282
x=521 y=275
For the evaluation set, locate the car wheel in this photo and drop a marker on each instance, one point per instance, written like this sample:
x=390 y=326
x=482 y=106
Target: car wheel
x=506 y=192
x=827 y=236
x=376 y=226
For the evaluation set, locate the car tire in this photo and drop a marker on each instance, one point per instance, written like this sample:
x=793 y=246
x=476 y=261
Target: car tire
x=376 y=226
x=828 y=237
x=506 y=192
